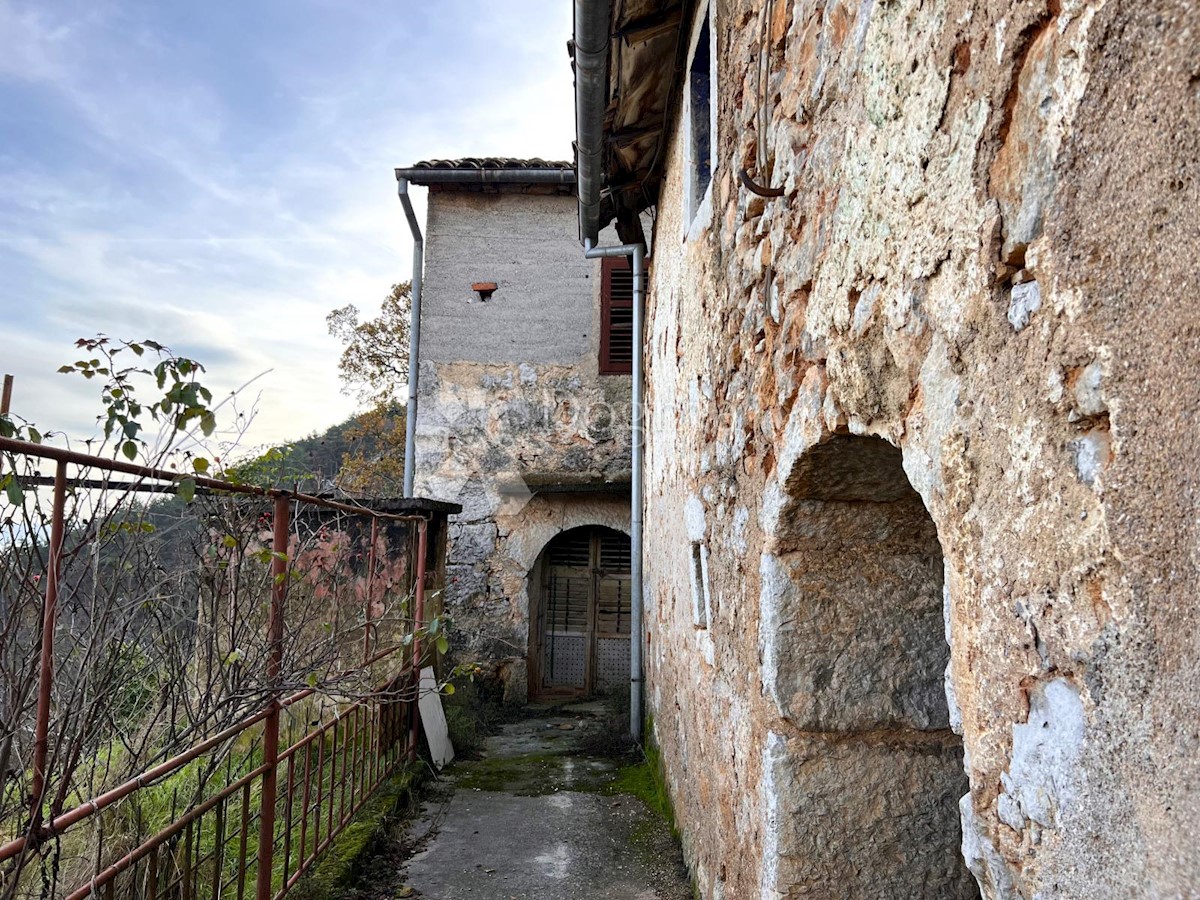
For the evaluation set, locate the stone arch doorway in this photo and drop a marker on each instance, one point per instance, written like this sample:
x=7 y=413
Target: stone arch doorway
x=579 y=635
x=868 y=771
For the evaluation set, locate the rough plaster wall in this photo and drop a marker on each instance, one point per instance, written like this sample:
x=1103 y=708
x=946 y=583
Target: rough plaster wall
x=986 y=256
x=542 y=311
x=510 y=401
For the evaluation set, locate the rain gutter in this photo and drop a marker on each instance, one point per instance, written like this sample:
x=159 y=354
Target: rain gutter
x=426 y=175
x=593 y=24
x=593 y=27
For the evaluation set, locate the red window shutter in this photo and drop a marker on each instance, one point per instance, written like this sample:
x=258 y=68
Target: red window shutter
x=616 y=316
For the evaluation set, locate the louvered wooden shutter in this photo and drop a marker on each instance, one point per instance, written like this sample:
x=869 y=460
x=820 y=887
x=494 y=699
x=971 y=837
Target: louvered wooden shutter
x=616 y=316
x=570 y=581
x=613 y=597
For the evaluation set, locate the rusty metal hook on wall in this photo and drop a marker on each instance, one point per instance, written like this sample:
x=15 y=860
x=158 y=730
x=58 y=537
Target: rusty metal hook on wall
x=762 y=113
x=755 y=188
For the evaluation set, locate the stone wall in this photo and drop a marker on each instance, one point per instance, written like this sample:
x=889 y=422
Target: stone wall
x=985 y=256
x=512 y=406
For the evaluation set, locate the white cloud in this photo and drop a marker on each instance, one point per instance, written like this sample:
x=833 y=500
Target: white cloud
x=153 y=195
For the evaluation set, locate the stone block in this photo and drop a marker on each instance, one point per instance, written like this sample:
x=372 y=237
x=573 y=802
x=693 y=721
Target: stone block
x=464 y=583
x=514 y=680
x=871 y=820
x=854 y=622
x=471 y=544
x=478 y=499
x=1025 y=300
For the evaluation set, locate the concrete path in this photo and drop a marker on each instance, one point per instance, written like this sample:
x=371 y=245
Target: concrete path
x=535 y=820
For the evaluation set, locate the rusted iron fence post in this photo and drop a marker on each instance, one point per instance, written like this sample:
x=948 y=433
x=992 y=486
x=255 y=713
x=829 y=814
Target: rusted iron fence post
x=41 y=739
x=279 y=579
x=418 y=624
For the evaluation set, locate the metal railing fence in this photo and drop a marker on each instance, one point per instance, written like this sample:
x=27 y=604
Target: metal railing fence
x=302 y=611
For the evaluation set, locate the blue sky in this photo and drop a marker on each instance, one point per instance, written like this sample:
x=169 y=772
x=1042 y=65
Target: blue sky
x=217 y=176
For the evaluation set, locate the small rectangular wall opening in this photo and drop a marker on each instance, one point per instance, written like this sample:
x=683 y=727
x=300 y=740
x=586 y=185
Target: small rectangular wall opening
x=700 y=600
x=700 y=96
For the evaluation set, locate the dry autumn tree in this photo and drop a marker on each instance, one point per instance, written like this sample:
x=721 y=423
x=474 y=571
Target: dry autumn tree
x=374 y=369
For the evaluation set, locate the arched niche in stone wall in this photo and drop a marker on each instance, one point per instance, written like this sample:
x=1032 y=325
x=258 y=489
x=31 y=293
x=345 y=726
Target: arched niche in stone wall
x=865 y=775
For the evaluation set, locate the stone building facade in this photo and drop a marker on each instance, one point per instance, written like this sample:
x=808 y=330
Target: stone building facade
x=928 y=416
x=515 y=420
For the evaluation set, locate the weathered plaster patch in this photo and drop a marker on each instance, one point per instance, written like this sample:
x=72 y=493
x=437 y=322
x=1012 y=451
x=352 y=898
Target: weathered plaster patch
x=1091 y=452
x=1088 y=398
x=1024 y=300
x=931 y=423
x=956 y=721
x=775 y=587
x=1042 y=780
x=693 y=513
x=1054 y=384
x=774 y=758
x=802 y=431
x=983 y=859
x=741 y=517
x=706 y=647
x=1024 y=453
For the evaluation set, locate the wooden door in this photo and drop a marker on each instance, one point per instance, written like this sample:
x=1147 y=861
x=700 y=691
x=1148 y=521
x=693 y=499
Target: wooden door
x=584 y=620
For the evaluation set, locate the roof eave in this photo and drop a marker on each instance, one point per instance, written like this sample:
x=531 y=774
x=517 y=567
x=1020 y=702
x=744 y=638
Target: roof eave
x=627 y=71
x=484 y=176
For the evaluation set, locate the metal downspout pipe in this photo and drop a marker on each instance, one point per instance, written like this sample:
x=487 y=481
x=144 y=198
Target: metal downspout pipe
x=593 y=23
x=414 y=338
x=637 y=252
x=593 y=26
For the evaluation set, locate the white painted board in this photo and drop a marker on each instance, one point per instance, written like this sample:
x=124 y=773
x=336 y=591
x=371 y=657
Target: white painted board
x=433 y=719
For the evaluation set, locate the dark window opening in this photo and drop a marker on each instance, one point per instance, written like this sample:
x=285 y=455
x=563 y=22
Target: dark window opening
x=700 y=97
x=616 y=316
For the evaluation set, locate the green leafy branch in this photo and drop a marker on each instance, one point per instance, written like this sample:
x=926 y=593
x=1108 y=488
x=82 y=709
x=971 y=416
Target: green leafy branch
x=12 y=426
x=435 y=634
x=185 y=403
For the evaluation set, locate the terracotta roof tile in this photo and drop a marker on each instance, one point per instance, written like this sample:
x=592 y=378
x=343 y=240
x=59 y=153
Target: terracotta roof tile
x=492 y=162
